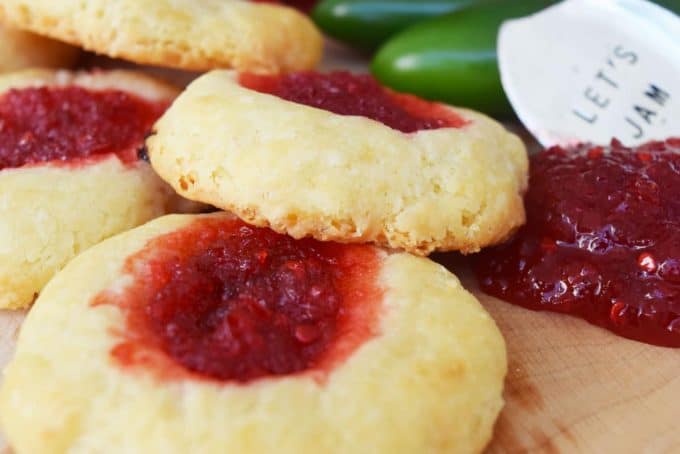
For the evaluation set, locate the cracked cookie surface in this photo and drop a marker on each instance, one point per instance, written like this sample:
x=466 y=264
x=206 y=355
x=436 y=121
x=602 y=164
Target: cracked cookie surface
x=187 y=34
x=306 y=171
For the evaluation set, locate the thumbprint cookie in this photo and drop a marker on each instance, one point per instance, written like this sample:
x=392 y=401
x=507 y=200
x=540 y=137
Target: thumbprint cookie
x=70 y=175
x=186 y=34
x=201 y=333
x=338 y=157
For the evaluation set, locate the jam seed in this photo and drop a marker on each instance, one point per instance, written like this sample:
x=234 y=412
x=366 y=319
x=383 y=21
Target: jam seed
x=647 y=262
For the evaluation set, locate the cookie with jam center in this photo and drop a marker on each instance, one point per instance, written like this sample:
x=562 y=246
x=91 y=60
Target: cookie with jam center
x=206 y=334
x=70 y=170
x=186 y=34
x=339 y=157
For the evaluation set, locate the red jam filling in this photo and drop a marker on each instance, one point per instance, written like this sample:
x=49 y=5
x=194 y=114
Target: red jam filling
x=226 y=301
x=345 y=93
x=602 y=240
x=72 y=123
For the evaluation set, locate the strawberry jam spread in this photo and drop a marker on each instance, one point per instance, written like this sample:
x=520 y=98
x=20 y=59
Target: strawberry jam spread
x=345 y=93
x=602 y=240
x=58 y=124
x=222 y=300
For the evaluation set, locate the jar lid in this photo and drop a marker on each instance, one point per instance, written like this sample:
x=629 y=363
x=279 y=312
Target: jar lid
x=590 y=70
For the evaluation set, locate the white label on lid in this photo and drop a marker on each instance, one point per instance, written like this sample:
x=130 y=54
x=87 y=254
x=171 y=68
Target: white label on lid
x=591 y=70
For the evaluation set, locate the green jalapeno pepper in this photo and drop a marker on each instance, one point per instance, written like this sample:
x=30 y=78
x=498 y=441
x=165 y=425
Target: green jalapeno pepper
x=453 y=58
x=366 y=24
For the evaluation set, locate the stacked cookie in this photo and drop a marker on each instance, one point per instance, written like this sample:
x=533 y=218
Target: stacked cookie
x=302 y=317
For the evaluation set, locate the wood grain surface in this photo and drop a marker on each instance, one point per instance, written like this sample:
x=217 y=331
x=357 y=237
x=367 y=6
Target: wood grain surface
x=575 y=388
x=571 y=387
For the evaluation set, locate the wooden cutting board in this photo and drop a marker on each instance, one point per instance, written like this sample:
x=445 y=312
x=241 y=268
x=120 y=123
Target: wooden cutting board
x=576 y=388
x=571 y=387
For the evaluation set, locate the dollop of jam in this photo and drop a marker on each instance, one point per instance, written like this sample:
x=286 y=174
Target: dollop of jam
x=226 y=301
x=602 y=240
x=52 y=124
x=345 y=93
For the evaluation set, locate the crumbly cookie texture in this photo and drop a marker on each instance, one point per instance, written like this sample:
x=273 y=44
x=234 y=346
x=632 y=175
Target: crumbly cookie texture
x=308 y=172
x=51 y=213
x=187 y=34
x=19 y=50
x=431 y=381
